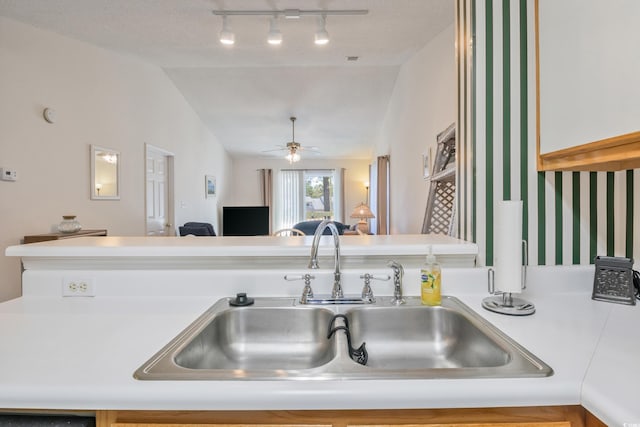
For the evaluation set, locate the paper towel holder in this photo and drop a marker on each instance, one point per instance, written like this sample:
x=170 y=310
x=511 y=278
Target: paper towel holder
x=505 y=302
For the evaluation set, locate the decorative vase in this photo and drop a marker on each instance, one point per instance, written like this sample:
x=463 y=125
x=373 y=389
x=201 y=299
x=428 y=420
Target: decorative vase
x=69 y=224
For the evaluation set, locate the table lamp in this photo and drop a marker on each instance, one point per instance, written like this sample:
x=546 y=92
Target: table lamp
x=363 y=212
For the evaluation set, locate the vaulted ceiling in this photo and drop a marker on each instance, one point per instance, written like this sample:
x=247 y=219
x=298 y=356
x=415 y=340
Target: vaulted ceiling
x=246 y=93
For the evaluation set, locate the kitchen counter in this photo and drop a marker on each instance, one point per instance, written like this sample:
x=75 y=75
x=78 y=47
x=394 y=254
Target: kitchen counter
x=244 y=246
x=612 y=382
x=266 y=252
x=80 y=353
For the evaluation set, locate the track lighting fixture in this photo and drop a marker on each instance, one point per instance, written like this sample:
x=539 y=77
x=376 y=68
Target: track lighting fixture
x=322 y=36
x=226 y=35
x=275 y=36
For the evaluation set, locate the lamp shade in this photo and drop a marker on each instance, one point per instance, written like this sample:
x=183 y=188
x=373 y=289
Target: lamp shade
x=362 y=211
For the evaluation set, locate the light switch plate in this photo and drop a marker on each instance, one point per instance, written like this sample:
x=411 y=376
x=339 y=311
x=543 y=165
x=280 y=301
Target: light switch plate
x=8 y=174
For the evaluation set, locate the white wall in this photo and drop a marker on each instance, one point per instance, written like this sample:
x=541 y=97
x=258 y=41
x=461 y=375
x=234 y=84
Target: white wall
x=245 y=188
x=423 y=104
x=100 y=98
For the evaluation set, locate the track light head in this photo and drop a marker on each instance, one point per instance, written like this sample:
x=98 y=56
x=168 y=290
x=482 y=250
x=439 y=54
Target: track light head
x=275 y=35
x=226 y=35
x=322 y=36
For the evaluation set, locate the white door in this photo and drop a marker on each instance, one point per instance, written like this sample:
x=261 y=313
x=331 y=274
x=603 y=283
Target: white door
x=159 y=186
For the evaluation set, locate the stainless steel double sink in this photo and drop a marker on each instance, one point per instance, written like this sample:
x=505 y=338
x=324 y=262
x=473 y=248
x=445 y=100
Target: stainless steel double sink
x=278 y=338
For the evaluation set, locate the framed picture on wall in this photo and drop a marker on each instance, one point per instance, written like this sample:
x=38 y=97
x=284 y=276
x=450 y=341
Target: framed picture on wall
x=210 y=186
x=426 y=161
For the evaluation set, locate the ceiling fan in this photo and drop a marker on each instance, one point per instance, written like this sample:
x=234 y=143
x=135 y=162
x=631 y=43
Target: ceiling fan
x=293 y=148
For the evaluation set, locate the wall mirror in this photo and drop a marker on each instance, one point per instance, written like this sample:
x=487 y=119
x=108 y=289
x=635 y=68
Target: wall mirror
x=588 y=84
x=105 y=173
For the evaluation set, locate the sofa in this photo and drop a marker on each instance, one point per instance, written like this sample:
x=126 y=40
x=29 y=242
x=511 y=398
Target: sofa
x=309 y=227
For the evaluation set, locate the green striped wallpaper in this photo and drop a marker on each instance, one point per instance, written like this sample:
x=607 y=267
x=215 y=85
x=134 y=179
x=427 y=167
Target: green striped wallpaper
x=569 y=217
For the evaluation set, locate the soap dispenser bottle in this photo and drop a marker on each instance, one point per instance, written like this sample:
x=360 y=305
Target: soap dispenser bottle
x=430 y=281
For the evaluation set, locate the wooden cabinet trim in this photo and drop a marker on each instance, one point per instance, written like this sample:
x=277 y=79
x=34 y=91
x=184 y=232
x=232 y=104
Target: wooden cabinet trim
x=538 y=424
x=212 y=425
x=611 y=154
x=593 y=421
x=619 y=152
x=547 y=416
x=497 y=424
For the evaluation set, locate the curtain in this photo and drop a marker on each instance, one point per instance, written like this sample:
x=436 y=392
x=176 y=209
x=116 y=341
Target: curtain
x=266 y=192
x=373 y=200
x=382 y=195
x=338 y=186
x=290 y=198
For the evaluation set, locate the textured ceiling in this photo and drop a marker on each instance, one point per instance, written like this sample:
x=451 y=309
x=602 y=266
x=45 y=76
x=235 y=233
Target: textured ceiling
x=246 y=93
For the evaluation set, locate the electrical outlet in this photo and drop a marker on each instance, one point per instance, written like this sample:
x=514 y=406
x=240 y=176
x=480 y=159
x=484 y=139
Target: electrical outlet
x=78 y=287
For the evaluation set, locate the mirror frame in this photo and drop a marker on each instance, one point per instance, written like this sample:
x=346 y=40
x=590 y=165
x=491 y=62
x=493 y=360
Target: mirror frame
x=94 y=193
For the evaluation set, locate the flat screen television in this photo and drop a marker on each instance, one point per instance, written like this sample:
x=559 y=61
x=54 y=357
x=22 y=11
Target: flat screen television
x=245 y=220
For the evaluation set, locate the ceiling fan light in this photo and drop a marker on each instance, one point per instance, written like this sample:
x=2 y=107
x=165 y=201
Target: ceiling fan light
x=275 y=35
x=292 y=157
x=226 y=35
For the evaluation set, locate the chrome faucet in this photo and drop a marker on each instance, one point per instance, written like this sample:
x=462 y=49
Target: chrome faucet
x=313 y=260
x=398 y=273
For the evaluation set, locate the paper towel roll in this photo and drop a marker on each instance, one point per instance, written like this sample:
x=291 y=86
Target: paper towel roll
x=508 y=246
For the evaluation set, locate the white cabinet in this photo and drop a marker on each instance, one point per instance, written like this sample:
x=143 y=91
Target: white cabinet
x=588 y=84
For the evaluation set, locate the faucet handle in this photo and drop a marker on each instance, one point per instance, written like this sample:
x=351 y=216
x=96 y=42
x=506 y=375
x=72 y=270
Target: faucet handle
x=307 y=292
x=367 y=293
x=305 y=277
x=369 y=277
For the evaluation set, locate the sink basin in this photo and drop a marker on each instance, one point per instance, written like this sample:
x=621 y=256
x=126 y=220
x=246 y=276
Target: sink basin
x=278 y=338
x=261 y=338
x=418 y=338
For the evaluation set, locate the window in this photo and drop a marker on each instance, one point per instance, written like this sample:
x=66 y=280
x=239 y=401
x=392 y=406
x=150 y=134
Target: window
x=305 y=194
x=318 y=195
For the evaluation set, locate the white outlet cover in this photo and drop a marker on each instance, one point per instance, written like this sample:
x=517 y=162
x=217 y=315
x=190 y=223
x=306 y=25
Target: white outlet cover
x=78 y=287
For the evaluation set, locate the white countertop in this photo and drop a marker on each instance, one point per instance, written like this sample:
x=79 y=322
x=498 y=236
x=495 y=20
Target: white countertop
x=80 y=353
x=611 y=387
x=110 y=246
x=266 y=251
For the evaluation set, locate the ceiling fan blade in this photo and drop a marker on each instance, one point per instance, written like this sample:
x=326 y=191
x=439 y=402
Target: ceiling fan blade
x=275 y=149
x=311 y=153
x=292 y=147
